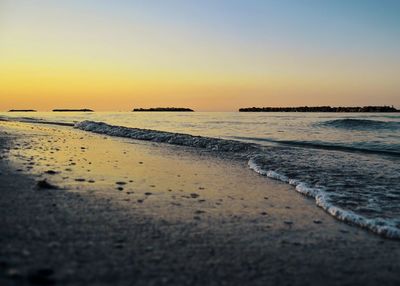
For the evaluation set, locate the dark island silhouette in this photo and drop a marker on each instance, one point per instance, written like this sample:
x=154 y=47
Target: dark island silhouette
x=321 y=109
x=73 y=110
x=22 y=110
x=171 y=109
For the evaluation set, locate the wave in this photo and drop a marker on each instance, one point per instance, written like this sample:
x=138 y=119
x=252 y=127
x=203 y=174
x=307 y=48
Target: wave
x=321 y=145
x=181 y=139
x=35 y=121
x=361 y=124
x=380 y=226
x=313 y=174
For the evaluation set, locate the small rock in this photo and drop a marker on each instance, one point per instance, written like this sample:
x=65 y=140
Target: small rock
x=42 y=277
x=317 y=221
x=45 y=272
x=43 y=184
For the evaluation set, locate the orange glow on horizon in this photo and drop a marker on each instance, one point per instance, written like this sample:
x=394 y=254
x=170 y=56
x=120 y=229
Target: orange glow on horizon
x=112 y=61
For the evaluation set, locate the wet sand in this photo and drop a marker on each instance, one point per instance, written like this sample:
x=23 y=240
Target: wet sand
x=124 y=212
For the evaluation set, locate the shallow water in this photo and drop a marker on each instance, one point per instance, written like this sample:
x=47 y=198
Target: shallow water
x=348 y=162
x=365 y=131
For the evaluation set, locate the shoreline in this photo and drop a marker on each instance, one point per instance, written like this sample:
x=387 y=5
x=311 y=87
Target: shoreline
x=214 y=226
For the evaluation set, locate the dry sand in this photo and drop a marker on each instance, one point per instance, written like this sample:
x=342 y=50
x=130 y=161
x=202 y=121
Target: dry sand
x=136 y=213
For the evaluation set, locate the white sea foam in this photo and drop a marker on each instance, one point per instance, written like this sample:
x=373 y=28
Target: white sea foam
x=380 y=226
x=270 y=174
x=209 y=143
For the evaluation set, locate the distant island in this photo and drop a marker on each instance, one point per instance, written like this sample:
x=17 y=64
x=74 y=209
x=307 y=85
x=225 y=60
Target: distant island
x=73 y=110
x=22 y=110
x=321 y=109
x=173 y=109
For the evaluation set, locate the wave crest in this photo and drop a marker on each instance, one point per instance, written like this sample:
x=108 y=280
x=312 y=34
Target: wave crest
x=209 y=143
x=361 y=124
x=384 y=227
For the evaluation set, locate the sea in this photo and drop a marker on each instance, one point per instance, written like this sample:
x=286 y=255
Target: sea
x=349 y=163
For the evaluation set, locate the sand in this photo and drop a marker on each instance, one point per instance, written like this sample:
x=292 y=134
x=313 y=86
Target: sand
x=126 y=212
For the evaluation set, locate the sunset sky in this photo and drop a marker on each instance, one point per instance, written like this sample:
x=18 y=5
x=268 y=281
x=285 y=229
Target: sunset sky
x=210 y=55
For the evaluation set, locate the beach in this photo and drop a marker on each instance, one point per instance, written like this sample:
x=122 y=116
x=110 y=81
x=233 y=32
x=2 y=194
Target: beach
x=127 y=212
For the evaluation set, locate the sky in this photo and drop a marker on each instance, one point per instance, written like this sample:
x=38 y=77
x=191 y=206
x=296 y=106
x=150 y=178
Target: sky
x=210 y=55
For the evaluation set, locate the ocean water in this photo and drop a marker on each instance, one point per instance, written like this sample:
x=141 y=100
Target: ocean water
x=349 y=163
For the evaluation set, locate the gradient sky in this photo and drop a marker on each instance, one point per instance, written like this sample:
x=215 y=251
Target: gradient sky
x=208 y=55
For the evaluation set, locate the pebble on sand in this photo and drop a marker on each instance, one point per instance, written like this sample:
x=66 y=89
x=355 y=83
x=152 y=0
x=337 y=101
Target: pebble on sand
x=43 y=184
x=42 y=277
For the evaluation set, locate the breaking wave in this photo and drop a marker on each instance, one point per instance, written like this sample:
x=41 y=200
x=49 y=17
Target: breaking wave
x=209 y=143
x=349 y=186
x=390 y=150
x=361 y=124
x=385 y=227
